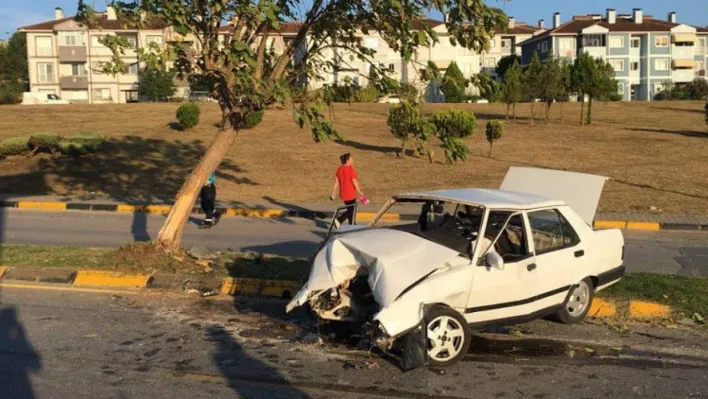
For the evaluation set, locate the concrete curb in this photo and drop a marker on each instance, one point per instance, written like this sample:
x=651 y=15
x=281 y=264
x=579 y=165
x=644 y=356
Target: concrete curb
x=601 y=308
x=308 y=214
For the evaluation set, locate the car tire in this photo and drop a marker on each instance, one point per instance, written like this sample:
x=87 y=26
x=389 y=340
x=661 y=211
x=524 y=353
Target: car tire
x=447 y=336
x=578 y=304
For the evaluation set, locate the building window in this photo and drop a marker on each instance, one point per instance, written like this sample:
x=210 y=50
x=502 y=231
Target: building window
x=617 y=41
x=157 y=40
x=371 y=42
x=490 y=62
x=71 y=39
x=636 y=42
x=701 y=50
x=133 y=69
x=634 y=66
x=131 y=96
x=96 y=41
x=78 y=69
x=617 y=65
x=620 y=88
x=45 y=72
x=661 y=64
x=544 y=47
x=392 y=68
x=131 y=40
x=594 y=40
x=44 y=46
x=658 y=88
x=699 y=68
x=102 y=94
x=493 y=43
x=661 y=41
x=506 y=44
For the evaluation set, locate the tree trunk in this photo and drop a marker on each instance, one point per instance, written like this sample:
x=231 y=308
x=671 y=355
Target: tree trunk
x=490 y=149
x=532 y=104
x=170 y=235
x=548 y=112
x=589 y=117
x=562 y=117
x=507 y=110
x=403 y=146
x=582 y=111
x=513 y=110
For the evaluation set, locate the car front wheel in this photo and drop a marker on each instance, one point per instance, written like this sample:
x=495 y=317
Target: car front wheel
x=578 y=304
x=448 y=336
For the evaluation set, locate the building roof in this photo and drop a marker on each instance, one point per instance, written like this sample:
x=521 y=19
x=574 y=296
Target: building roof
x=520 y=28
x=622 y=24
x=102 y=22
x=488 y=198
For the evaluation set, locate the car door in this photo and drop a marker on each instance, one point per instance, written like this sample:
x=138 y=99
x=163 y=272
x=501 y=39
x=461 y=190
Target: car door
x=507 y=292
x=558 y=255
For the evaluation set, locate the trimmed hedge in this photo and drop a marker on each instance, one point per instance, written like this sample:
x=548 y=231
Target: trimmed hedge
x=44 y=142
x=80 y=144
x=14 y=146
x=188 y=115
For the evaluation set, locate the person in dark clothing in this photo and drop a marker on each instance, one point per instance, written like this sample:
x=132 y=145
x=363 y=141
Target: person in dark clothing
x=208 y=202
x=346 y=182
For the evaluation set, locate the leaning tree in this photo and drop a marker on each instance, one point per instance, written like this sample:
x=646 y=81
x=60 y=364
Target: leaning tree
x=229 y=50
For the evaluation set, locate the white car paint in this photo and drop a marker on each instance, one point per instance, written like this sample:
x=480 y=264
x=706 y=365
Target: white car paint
x=32 y=98
x=406 y=271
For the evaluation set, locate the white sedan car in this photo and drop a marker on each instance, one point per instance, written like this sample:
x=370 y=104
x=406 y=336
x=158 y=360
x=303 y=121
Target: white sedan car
x=474 y=259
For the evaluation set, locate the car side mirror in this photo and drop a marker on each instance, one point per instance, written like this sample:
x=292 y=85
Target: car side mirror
x=493 y=259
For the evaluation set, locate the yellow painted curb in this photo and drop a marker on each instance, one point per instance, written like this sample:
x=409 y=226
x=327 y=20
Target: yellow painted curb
x=260 y=213
x=3 y=269
x=649 y=226
x=602 y=308
x=49 y=206
x=157 y=208
x=610 y=224
x=130 y=208
x=255 y=286
x=391 y=217
x=648 y=310
x=110 y=279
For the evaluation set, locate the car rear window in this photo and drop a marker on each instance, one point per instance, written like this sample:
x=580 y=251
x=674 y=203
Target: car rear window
x=551 y=231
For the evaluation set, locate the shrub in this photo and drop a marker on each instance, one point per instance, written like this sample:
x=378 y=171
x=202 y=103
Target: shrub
x=366 y=95
x=495 y=130
x=188 y=115
x=14 y=146
x=252 y=119
x=454 y=123
x=80 y=144
x=44 y=142
x=614 y=97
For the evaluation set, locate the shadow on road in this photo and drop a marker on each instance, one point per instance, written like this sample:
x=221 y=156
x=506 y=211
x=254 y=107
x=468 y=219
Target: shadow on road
x=18 y=358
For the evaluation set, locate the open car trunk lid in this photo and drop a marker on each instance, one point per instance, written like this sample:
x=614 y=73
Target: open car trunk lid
x=394 y=260
x=580 y=191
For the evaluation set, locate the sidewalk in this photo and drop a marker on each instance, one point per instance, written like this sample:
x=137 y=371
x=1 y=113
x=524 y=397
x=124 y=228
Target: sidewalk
x=630 y=220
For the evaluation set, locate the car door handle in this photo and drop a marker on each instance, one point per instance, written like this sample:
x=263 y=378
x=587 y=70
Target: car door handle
x=531 y=267
x=579 y=253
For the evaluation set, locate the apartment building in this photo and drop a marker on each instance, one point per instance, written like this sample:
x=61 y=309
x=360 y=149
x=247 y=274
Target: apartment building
x=64 y=58
x=646 y=53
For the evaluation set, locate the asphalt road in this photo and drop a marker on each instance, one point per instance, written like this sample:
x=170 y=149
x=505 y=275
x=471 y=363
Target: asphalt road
x=59 y=343
x=657 y=252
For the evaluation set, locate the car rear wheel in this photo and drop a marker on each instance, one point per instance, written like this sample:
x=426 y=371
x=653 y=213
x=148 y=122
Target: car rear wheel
x=448 y=336
x=578 y=304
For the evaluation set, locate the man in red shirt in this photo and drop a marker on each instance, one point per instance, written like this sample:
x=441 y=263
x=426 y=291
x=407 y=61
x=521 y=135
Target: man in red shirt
x=348 y=186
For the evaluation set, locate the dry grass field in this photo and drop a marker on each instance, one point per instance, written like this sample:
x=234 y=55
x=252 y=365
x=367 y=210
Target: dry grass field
x=655 y=153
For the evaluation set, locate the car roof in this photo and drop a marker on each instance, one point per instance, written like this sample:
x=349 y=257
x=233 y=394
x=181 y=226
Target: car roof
x=489 y=198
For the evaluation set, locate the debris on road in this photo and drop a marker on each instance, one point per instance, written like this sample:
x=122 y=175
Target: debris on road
x=208 y=293
x=202 y=253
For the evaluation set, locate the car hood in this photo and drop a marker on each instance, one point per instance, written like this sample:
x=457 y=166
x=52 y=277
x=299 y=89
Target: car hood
x=393 y=261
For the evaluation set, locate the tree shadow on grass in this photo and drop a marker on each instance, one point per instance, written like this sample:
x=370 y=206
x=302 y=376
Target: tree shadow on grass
x=692 y=110
x=685 y=133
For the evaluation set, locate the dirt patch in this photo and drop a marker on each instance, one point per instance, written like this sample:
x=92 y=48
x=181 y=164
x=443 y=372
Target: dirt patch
x=147 y=257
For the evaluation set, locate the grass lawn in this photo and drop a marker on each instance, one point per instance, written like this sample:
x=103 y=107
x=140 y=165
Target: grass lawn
x=655 y=153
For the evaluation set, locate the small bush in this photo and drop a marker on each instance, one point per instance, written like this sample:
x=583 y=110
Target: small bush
x=367 y=95
x=495 y=130
x=44 y=142
x=80 y=144
x=188 y=115
x=253 y=119
x=454 y=123
x=14 y=146
x=615 y=97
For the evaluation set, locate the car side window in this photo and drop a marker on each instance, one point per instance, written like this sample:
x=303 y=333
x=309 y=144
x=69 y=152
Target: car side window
x=512 y=243
x=551 y=231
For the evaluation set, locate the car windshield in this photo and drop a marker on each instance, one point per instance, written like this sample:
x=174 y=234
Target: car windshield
x=449 y=224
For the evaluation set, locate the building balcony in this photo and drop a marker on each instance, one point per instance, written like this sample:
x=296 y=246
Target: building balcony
x=682 y=52
x=72 y=54
x=73 y=82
